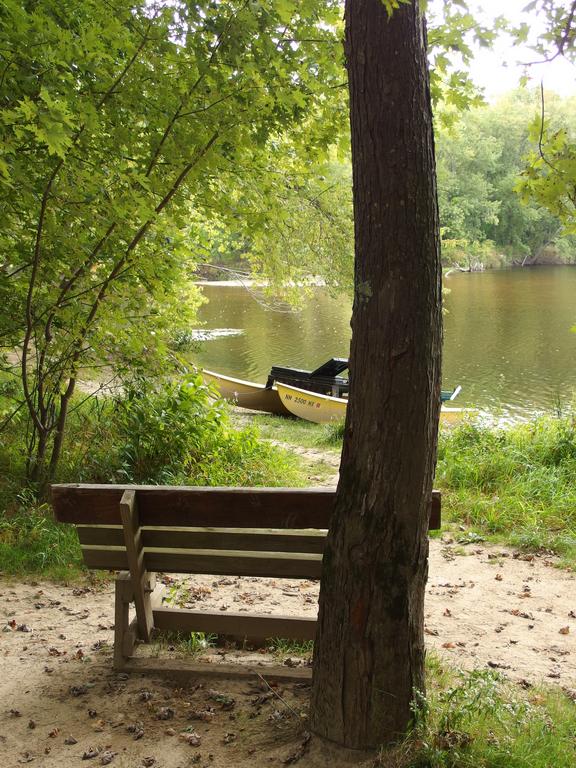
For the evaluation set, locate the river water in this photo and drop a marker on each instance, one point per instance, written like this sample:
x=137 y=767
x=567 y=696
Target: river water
x=507 y=337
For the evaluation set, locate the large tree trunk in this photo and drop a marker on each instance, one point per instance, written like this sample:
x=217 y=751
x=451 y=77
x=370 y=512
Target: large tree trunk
x=369 y=651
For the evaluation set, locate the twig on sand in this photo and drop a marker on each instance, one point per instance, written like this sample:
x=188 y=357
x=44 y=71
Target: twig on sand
x=267 y=684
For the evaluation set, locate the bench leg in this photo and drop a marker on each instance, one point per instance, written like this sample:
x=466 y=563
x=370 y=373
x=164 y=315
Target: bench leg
x=141 y=579
x=124 y=632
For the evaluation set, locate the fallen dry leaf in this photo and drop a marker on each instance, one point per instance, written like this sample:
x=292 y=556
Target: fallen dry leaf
x=165 y=713
x=521 y=614
x=137 y=729
x=206 y=715
x=78 y=690
x=227 y=702
x=191 y=738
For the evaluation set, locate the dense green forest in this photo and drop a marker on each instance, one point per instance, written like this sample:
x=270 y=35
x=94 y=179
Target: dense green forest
x=489 y=218
x=482 y=159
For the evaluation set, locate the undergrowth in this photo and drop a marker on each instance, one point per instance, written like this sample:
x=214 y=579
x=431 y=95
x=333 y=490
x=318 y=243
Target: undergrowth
x=31 y=542
x=169 y=434
x=517 y=483
x=479 y=720
x=174 y=434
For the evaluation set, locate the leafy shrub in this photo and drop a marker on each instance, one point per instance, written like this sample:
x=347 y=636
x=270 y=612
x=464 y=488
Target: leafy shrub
x=179 y=433
x=185 y=340
x=164 y=431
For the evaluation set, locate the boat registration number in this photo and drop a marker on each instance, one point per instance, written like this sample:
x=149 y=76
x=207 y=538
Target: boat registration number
x=303 y=401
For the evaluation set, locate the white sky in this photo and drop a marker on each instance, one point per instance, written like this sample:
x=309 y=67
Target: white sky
x=498 y=70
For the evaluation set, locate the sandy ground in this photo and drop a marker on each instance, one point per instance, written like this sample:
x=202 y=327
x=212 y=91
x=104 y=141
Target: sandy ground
x=61 y=703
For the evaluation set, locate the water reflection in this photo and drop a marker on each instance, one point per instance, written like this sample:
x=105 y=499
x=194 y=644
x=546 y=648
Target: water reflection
x=507 y=337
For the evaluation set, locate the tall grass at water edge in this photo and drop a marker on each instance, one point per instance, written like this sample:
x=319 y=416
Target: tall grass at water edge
x=515 y=484
x=518 y=483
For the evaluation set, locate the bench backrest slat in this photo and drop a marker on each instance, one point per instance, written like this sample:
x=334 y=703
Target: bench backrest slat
x=201 y=507
x=254 y=540
x=223 y=563
x=197 y=506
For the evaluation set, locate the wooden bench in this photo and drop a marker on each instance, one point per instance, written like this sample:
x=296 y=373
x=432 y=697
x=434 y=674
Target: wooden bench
x=140 y=530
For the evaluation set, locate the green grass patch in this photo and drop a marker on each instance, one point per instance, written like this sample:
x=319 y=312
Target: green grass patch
x=298 y=432
x=188 y=643
x=516 y=484
x=283 y=648
x=32 y=543
x=479 y=720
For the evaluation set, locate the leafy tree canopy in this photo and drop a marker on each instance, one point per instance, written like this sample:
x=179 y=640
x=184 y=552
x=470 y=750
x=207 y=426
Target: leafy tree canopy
x=550 y=173
x=113 y=116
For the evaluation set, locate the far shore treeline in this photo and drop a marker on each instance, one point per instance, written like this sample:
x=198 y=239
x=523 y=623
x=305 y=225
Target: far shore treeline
x=489 y=216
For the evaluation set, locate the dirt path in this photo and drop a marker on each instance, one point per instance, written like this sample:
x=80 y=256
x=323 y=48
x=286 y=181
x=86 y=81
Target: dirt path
x=60 y=698
x=322 y=467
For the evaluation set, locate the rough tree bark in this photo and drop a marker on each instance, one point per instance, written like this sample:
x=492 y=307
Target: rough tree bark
x=369 y=650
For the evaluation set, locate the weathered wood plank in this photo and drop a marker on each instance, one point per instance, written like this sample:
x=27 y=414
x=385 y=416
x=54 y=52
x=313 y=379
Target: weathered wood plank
x=212 y=538
x=124 y=638
x=272 y=564
x=183 y=670
x=198 y=507
x=135 y=557
x=205 y=507
x=435 y=519
x=260 y=626
x=127 y=645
